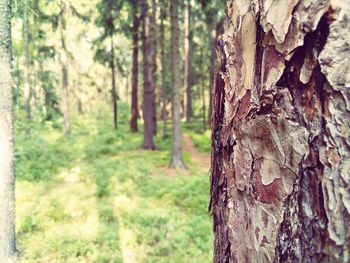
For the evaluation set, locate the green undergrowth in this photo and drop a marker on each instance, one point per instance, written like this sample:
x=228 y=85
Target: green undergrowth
x=95 y=196
x=201 y=139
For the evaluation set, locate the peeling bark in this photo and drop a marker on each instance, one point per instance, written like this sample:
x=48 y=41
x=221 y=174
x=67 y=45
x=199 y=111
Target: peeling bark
x=281 y=117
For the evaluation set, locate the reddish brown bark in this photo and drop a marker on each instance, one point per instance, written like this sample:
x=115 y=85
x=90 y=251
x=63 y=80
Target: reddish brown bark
x=148 y=107
x=134 y=84
x=187 y=62
x=280 y=169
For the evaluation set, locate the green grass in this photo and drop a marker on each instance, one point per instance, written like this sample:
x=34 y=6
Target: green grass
x=95 y=196
x=201 y=139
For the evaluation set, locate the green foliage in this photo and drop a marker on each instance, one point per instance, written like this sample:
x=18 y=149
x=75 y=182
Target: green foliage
x=96 y=196
x=200 y=139
x=39 y=157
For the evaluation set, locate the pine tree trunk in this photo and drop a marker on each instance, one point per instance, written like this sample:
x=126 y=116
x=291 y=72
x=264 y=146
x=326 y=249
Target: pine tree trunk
x=188 y=62
x=114 y=89
x=281 y=117
x=203 y=90
x=134 y=85
x=27 y=87
x=65 y=92
x=153 y=60
x=148 y=83
x=176 y=159
x=64 y=67
x=163 y=64
x=7 y=170
x=213 y=41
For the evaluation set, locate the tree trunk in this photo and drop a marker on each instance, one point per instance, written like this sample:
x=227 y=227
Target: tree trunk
x=148 y=83
x=188 y=62
x=153 y=60
x=213 y=41
x=163 y=64
x=176 y=159
x=65 y=91
x=134 y=88
x=203 y=90
x=7 y=161
x=280 y=152
x=27 y=87
x=114 y=90
x=64 y=66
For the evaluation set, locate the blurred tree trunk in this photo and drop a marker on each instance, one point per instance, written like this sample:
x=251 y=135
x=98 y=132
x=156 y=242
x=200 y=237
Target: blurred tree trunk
x=153 y=65
x=281 y=117
x=7 y=170
x=27 y=87
x=203 y=90
x=176 y=159
x=188 y=62
x=148 y=105
x=163 y=64
x=213 y=41
x=64 y=67
x=134 y=89
x=66 y=121
x=114 y=89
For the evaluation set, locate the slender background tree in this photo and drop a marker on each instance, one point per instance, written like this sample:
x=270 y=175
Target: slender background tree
x=134 y=84
x=176 y=157
x=7 y=165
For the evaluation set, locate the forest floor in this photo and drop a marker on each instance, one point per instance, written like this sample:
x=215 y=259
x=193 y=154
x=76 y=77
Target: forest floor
x=94 y=196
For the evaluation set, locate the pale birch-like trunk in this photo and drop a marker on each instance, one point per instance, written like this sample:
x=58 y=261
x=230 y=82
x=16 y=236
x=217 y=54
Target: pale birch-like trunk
x=64 y=68
x=7 y=161
x=176 y=159
x=114 y=88
x=281 y=145
x=27 y=85
x=187 y=62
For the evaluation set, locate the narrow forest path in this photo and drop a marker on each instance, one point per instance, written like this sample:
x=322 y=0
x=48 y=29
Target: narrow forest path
x=200 y=159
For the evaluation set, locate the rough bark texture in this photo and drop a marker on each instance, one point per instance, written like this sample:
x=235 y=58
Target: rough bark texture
x=134 y=84
x=7 y=170
x=214 y=67
x=148 y=105
x=281 y=145
x=176 y=159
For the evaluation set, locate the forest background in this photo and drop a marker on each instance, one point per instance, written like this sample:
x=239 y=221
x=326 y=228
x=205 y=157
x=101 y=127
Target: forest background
x=95 y=83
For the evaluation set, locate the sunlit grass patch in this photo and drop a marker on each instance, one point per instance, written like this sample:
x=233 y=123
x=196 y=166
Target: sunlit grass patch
x=96 y=196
